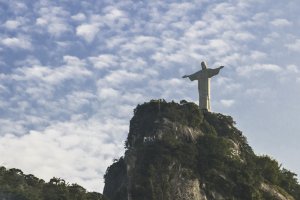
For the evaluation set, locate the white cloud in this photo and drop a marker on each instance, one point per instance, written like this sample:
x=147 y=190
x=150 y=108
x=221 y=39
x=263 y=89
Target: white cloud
x=104 y=61
x=258 y=55
x=260 y=94
x=63 y=44
x=40 y=92
x=54 y=20
x=230 y=60
x=2 y=63
x=73 y=61
x=228 y=85
x=3 y=104
x=166 y=88
x=244 y=36
x=78 y=99
x=120 y=77
x=271 y=38
x=177 y=10
x=17 y=7
x=3 y=89
x=77 y=151
x=58 y=28
x=87 y=31
x=295 y=46
x=113 y=13
x=32 y=72
x=133 y=98
x=135 y=64
x=115 y=42
x=12 y=126
x=227 y=102
x=17 y=43
x=28 y=61
x=248 y=70
x=281 y=22
x=183 y=25
x=194 y=31
x=41 y=21
x=217 y=46
x=141 y=44
x=223 y=8
x=79 y=17
x=293 y=68
x=114 y=17
x=108 y=93
x=12 y=24
x=260 y=18
x=73 y=69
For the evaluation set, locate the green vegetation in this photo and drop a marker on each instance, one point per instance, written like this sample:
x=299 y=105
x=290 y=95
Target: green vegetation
x=147 y=114
x=210 y=158
x=219 y=157
x=116 y=175
x=14 y=185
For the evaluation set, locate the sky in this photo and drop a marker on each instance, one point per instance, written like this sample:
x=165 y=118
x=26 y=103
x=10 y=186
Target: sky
x=71 y=73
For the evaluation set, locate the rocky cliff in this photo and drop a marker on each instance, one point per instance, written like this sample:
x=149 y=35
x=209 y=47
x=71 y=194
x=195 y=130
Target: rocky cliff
x=179 y=152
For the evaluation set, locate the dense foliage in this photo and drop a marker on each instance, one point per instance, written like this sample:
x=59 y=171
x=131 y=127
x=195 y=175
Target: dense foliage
x=14 y=185
x=147 y=114
x=116 y=175
x=210 y=158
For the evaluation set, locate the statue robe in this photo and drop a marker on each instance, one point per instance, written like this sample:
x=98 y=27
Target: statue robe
x=203 y=76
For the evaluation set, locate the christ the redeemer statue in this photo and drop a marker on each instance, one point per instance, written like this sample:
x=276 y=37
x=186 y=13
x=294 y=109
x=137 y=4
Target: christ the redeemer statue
x=203 y=76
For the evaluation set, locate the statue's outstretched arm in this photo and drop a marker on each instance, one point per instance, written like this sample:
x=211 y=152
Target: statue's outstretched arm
x=213 y=72
x=193 y=76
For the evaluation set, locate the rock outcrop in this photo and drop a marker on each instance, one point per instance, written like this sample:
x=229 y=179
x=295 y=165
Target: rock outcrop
x=179 y=152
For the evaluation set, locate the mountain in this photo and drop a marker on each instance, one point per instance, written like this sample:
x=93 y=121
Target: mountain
x=179 y=152
x=14 y=185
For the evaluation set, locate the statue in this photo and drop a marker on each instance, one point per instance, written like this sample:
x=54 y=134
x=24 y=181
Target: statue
x=203 y=76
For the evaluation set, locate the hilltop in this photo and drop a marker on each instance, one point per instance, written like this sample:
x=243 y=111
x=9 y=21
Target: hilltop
x=177 y=151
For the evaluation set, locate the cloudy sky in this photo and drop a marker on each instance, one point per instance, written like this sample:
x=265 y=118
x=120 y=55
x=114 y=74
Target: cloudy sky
x=71 y=73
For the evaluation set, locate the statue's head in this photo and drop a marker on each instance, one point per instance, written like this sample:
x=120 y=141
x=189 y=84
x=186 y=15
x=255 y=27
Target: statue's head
x=203 y=65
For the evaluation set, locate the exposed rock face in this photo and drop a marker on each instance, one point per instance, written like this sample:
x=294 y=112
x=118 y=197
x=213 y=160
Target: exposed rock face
x=275 y=193
x=173 y=179
x=178 y=152
x=186 y=189
x=177 y=130
x=175 y=183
